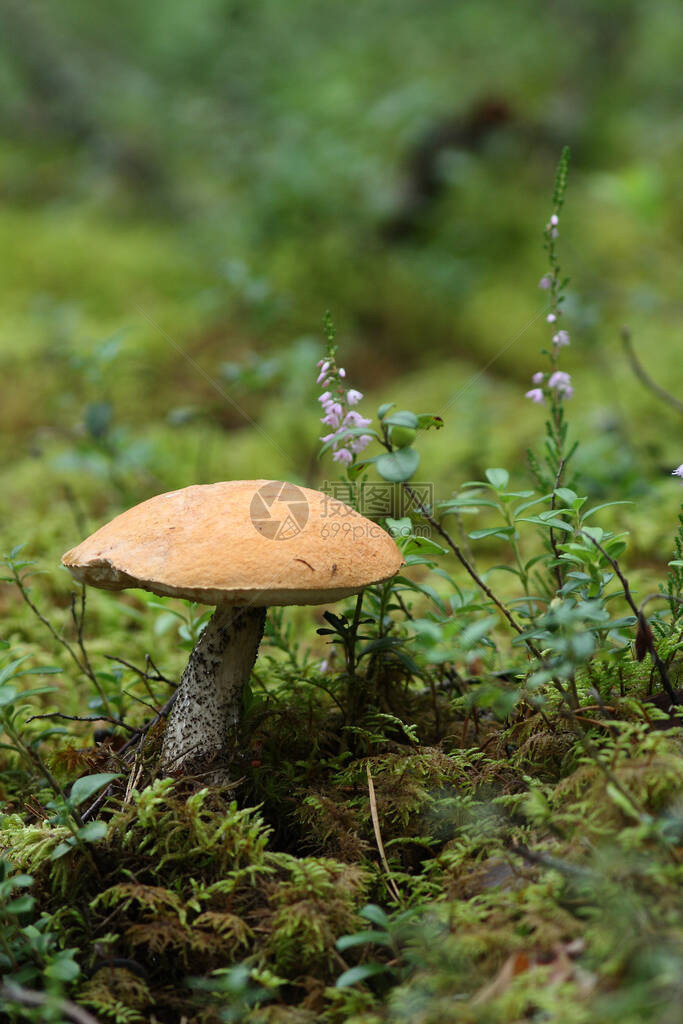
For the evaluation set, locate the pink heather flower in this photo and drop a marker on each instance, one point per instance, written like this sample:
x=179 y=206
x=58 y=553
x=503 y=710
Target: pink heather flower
x=554 y=232
x=561 y=381
x=333 y=415
x=354 y=419
x=359 y=444
x=679 y=471
x=545 y=282
x=551 y=318
x=554 y=220
x=324 y=665
x=538 y=378
x=339 y=414
x=561 y=338
x=536 y=395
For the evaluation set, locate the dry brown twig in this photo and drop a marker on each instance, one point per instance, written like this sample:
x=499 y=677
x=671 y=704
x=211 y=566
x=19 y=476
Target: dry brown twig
x=393 y=888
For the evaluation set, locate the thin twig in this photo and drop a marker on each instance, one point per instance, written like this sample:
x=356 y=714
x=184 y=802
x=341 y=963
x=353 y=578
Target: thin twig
x=144 y=729
x=482 y=585
x=77 y=511
x=140 y=732
x=378 y=837
x=640 y=618
x=134 y=777
x=145 y=703
x=644 y=377
x=46 y=622
x=84 y=666
x=553 y=863
x=662 y=596
x=465 y=563
x=27 y=997
x=159 y=677
x=80 y=625
x=459 y=554
x=86 y=718
x=553 y=542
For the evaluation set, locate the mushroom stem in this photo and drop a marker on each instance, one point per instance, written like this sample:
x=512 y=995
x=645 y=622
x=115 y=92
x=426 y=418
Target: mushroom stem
x=202 y=727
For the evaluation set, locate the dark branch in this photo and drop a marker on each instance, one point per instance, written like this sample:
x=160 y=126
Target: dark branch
x=644 y=377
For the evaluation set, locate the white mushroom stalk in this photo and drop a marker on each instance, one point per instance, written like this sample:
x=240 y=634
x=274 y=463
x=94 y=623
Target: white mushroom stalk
x=203 y=726
x=243 y=546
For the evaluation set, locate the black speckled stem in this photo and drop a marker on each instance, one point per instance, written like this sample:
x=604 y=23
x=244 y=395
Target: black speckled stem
x=203 y=724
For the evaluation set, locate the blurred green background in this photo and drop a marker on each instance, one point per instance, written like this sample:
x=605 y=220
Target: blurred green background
x=185 y=188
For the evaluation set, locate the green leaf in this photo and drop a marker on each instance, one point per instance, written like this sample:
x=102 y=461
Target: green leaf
x=505 y=568
x=7 y=695
x=19 y=905
x=476 y=630
x=384 y=409
x=21 y=881
x=498 y=478
x=359 y=973
x=402 y=418
x=509 y=495
x=468 y=502
x=425 y=420
x=93 y=831
x=35 y=690
x=496 y=531
x=599 y=508
x=371 y=912
x=399 y=527
x=553 y=524
x=63 y=967
x=399 y=465
x=566 y=495
x=360 y=938
x=423 y=588
x=63 y=848
x=355 y=469
x=622 y=801
x=424 y=544
x=10 y=669
x=88 y=785
x=529 y=504
x=382 y=643
x=48 y=670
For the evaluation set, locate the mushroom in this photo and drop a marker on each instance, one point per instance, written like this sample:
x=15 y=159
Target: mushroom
x=240 y=545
